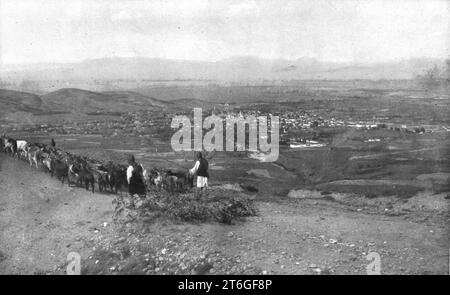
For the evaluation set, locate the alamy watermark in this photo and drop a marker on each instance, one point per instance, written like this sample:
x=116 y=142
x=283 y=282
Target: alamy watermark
x=255 y=140
x=74 y=265
x=374 y=267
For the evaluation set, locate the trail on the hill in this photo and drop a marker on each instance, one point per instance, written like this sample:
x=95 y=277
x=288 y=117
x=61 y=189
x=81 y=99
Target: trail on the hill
x=43 y=220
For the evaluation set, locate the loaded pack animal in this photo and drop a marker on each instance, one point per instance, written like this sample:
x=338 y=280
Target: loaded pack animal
x=79 y=173
x=87 y=177
x=35 y=155
x=47 y=161
x=109 y=177
x=59 y=169
x=73 y=169
x=10 y=146
x=117 y=178
x=22 y=149
x=73 y=176
x=170 y=182
x=154 y=178
x=177 y=179
x=101 y=176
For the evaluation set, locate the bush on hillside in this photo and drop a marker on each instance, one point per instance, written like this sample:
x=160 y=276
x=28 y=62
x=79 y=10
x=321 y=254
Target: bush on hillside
x=224 y=206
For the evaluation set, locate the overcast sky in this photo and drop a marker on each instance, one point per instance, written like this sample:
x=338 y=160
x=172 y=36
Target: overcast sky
x=330 y=30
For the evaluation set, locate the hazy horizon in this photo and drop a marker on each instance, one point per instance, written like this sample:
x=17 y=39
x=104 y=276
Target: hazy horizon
x=224 y=59
x=50 y=31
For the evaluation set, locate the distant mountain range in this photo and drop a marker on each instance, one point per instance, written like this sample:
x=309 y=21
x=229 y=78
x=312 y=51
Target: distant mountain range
x=235 y=69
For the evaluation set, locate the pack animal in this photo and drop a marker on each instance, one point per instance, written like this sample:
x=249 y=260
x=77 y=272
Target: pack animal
x=22 y=149
x=101 y=177
x=183 y=179
x=34 y=155
x=59 y=169
x=83 y=175
x=118 y=179
x=10 y=146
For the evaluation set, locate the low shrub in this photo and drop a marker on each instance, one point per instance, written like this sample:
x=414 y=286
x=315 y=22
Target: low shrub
x=224 y=206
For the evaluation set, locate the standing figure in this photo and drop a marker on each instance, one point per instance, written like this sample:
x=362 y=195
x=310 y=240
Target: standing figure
x=135 y=179
x=201 y=169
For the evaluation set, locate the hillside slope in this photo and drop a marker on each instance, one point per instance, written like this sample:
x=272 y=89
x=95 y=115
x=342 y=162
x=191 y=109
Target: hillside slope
x=79 y=100
x=136 y=99
x=14 y=101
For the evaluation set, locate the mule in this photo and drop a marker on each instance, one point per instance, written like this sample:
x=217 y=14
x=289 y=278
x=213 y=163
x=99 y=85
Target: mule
x=34 y=155
x=101 y=177
x=10 y=146
x=119 y=177
x=59 y=169
x=22 y=148
x=85 y=176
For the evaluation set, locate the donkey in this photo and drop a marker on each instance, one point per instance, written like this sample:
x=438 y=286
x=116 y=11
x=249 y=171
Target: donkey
x=10 y=146
x=59 y=169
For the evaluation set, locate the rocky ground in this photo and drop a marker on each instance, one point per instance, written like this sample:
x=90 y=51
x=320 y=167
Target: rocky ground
x=42 y=221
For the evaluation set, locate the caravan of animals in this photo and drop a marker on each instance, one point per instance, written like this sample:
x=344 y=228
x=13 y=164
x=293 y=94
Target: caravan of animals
x=84 y=171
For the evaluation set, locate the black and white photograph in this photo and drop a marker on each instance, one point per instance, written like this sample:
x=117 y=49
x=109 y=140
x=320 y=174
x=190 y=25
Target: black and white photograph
x=223 y=138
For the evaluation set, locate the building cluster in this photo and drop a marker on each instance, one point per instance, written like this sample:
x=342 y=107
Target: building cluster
x=157 y=123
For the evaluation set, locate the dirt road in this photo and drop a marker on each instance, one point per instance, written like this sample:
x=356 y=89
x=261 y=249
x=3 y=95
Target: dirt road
x=42 y=220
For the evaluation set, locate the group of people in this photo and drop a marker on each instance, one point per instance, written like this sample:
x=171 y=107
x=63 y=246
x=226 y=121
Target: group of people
x=134 y=177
